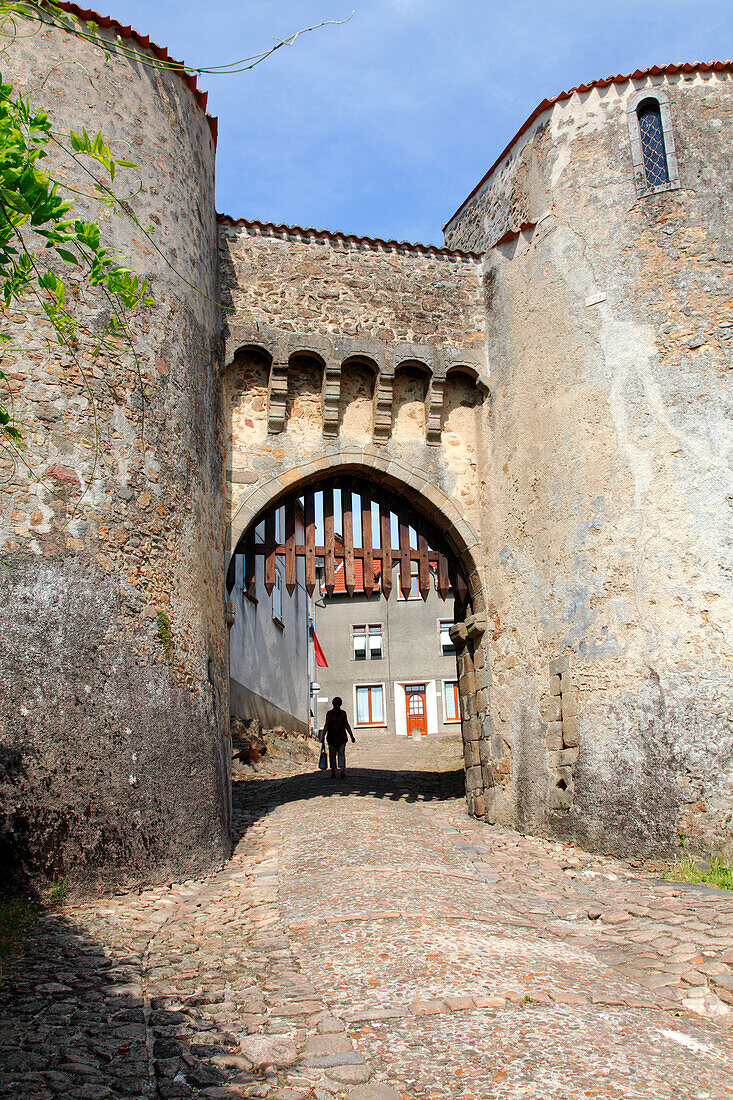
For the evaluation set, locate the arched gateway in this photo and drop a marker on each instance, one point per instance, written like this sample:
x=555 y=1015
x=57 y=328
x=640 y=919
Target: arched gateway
x=397 y=526
x=548 y=393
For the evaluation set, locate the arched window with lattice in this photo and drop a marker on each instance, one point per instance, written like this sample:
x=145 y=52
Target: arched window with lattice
x=653 y=151
x=652 y=142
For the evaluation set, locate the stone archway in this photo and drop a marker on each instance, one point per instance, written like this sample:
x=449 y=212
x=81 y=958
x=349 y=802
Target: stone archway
x=483 y=768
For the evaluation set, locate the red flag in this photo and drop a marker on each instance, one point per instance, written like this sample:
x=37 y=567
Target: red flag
x=320 y=655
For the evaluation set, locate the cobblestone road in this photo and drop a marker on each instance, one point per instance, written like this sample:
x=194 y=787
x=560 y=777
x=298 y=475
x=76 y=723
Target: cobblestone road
x=369 y=940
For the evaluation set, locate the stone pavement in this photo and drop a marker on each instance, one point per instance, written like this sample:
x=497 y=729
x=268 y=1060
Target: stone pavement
x=368 y=940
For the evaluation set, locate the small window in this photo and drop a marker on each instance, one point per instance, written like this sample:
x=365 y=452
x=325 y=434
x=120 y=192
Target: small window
x=446 y=645
x=366 y=642
x=652 y=141
x=359 y=642
x=277 y=598
x=653 y=149
x=414 y=593
x=370 y=705
x=375 y=642
x=451 y=706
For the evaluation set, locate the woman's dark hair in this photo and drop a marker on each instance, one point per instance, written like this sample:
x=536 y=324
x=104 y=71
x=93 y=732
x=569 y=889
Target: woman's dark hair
x=337 y=701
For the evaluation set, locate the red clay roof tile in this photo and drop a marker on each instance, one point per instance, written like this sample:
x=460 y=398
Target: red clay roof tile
x=271 y=229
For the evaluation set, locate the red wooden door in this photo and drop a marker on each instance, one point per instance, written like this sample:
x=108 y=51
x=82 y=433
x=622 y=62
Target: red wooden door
x=416 y=711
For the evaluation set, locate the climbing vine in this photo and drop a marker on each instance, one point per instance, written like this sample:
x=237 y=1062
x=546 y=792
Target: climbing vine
x=41 y=241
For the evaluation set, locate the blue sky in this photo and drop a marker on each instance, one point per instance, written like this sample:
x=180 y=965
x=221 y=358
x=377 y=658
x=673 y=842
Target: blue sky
x=382 y=126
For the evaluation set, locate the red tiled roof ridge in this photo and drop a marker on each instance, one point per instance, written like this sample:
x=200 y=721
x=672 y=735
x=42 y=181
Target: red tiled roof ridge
x=601 y=82
x=107 y=21
x=347 y=238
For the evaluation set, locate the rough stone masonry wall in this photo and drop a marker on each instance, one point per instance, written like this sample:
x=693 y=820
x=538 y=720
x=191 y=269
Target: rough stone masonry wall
x=610 y=344
x=113 y=761
x=351 y=304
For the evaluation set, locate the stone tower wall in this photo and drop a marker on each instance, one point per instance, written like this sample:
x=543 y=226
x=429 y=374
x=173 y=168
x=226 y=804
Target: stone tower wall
x=114 y=756
x=609 y=322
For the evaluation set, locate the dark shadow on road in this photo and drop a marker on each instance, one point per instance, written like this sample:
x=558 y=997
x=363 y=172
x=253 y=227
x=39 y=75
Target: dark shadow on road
x=74 y=1022
x=253 y=798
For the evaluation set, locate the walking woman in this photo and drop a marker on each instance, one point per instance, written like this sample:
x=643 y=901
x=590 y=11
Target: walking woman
x=335 y=730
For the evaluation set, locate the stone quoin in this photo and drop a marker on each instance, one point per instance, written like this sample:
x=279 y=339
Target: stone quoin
x=551 y=390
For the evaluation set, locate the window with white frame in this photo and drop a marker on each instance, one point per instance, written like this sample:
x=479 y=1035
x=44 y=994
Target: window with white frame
x=446 y=645
x=451 y=705
x=359 y=642
x=367 y=642
x=374 y=638
x=277 y=597
x=369 y=704
x=414 y=593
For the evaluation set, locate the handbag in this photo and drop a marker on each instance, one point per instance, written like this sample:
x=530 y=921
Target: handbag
x=323 y=759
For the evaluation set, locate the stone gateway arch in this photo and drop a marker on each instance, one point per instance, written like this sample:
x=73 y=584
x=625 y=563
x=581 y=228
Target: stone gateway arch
x=550 y=390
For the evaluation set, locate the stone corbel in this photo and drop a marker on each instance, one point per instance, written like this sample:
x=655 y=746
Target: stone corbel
x=475 y=625
x=458 y=634
x=383 y=406
x=436 y=394
x=277 y=395
x=331 y=399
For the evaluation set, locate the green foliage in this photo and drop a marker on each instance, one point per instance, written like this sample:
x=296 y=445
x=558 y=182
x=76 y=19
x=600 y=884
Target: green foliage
x=97 y=150
x=57 y=893
x=40 y=244
x=164 y=630
x=717 y=873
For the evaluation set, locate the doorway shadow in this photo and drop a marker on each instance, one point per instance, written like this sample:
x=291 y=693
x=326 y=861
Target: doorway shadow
x=254 y=798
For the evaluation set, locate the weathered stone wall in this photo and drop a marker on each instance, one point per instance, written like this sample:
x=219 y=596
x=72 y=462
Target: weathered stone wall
x=113 y=755
x=609 y=338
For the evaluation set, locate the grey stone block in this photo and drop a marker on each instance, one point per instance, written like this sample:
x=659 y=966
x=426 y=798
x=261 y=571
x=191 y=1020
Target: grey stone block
x=571 y=733
x=550 y=708
x=560 y=800
x=375 y=1091
x=559 y=664
x=564 y=758
x=554 y=737
x=570 y=702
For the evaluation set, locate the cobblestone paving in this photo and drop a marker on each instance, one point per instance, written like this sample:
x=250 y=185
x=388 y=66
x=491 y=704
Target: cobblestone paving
x=368 y=940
